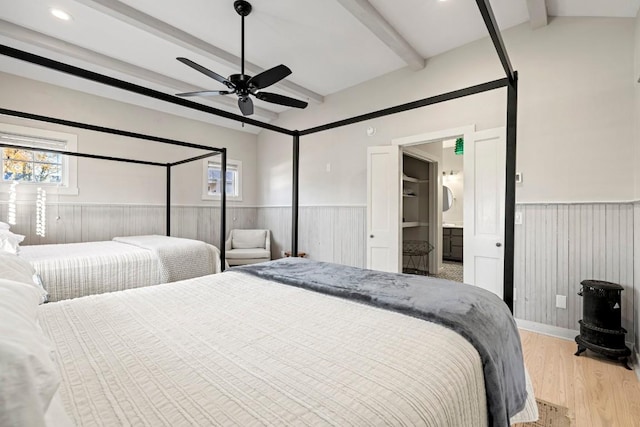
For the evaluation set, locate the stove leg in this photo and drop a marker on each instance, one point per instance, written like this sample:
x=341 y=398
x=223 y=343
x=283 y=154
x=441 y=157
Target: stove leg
x=625 y=362
x=581 y=350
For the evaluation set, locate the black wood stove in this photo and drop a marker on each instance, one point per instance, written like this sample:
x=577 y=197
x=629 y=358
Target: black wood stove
x=601 y=328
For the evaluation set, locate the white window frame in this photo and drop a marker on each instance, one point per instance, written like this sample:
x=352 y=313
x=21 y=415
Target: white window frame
x=205 y=179
x=69 y=184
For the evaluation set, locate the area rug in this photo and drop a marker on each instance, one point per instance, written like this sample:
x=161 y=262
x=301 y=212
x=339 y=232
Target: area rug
x=551 y=415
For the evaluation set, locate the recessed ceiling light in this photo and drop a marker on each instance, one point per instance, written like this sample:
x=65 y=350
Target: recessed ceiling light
x=61 y=14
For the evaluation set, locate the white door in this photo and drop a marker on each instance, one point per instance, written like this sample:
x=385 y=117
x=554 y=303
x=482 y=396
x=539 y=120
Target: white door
x=383 y=208
x=484 y=181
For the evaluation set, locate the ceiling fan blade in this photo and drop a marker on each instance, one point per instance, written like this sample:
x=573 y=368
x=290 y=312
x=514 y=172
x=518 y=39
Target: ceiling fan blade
x=269 y=77
x=275 y=98
x=246 y=106
x=205 y=71
x=205 y=93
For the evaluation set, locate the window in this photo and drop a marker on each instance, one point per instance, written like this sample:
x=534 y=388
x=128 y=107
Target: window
x=213 y=180
x=25 y=165
x=29 y=162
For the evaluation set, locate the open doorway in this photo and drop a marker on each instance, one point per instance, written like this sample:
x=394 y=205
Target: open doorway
x=432 y=209
x=452 y=210
x=484 y=204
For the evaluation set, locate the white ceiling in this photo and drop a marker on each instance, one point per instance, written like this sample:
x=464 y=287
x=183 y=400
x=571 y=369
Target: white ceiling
x=327 y=47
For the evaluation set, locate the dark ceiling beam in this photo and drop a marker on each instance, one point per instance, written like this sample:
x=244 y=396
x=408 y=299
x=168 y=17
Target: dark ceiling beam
x=494 y=32
x=537 y=13
x=144 y=22
x=369 y=16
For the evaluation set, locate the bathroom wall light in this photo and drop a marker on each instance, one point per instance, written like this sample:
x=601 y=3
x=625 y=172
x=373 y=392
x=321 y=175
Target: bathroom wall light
x=459 y=149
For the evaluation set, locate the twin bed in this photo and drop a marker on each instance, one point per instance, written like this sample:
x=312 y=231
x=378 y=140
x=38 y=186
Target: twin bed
x=73 y=270
x=291 y=342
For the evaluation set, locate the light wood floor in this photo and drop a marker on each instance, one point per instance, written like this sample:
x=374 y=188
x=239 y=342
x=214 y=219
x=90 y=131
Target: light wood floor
x=596 y=391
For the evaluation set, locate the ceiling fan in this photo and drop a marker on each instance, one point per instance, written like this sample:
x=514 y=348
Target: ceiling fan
x=243 y=85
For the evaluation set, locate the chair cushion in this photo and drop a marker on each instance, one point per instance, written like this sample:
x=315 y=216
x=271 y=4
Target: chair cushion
x=248 y=239
x=247 y=254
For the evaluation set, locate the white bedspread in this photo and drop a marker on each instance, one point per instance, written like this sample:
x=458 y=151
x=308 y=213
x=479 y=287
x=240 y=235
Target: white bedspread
x=78 y=269
x=179 y=259
x=232 y=349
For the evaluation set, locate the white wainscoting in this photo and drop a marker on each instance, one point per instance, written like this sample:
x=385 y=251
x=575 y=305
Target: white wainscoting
x=559 y=245
x=556 y=247
x=326 y=233
x=203 y=223
x=67 y=223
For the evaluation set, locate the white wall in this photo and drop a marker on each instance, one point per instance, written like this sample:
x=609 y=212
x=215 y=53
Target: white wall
x=575 y=116
x=453 y=162
x=102 y=181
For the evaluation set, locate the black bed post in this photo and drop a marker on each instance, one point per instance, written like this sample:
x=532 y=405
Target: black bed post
x=223 y=207
x=510 y=190
x=294 y=196
x=510 y=170
x=168 y=204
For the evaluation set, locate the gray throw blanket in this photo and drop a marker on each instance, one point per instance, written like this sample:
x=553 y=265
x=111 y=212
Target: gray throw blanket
x=476 y=314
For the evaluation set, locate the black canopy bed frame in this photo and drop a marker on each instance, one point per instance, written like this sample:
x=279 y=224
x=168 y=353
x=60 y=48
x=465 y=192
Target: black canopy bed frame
x=212 y=151
x=510 y=82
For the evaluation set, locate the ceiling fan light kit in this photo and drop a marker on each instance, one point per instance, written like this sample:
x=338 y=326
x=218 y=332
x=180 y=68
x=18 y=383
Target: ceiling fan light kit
x=243 y=85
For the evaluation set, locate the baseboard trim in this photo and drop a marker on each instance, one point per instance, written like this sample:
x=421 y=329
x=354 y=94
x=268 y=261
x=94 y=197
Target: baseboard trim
x=544 y=329
x=563 y=333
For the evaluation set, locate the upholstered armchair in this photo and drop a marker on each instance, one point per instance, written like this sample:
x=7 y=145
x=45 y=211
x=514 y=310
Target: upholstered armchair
x=248 y=247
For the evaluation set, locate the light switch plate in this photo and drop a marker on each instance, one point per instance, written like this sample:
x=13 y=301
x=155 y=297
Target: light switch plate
x=561 y=301
x=518 y=177
x=518 y=218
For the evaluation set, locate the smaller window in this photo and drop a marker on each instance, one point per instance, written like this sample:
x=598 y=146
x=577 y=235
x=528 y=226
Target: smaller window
x=26 y=160
x=24 y=165
x=212 y=186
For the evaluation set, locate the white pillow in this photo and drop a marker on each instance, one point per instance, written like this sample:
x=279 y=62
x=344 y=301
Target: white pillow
x=9 y=242
x=15 y=268
x=4 y=226
x=248 y=239
x=28 y=376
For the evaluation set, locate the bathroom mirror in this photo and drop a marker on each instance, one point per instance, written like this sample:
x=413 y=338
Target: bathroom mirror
x=447 y=198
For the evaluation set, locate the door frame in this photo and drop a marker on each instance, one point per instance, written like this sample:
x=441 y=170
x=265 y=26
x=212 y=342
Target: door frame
x=467 y=132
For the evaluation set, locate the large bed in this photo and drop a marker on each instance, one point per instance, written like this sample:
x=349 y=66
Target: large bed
x=73 y=270
x=238 y=349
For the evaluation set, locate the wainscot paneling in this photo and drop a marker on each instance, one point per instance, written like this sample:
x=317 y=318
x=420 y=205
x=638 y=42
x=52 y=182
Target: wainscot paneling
x=202 y=222
x=326 y=233
x=556 y=246
x=68 y=223
x=559 y=245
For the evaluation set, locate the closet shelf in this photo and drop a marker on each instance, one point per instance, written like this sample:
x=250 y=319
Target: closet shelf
x=411 y=179
x=412 y=224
